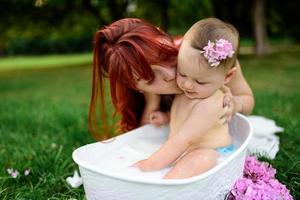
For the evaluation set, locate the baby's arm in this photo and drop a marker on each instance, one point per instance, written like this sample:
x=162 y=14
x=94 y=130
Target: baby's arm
x=168 y=153
x=203 y=118
x=242 y=94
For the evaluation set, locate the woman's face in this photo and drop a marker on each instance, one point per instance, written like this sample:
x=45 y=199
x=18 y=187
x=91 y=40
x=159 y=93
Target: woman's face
x=164 y=81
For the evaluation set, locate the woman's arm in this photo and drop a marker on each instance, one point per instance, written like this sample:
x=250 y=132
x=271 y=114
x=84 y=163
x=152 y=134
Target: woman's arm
x=243 y=99
x=152 y=104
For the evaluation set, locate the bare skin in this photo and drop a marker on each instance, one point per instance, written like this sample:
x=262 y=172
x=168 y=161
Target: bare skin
x=238 y=95
x=193 y=141
x=201 y=155
x=196 y=130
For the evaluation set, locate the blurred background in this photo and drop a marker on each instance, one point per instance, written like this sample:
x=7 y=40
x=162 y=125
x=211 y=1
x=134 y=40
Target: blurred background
x=45 y=79
x=38 y=27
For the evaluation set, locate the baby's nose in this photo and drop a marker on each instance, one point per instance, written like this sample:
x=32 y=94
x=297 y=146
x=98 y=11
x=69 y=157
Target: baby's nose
x=188 y=85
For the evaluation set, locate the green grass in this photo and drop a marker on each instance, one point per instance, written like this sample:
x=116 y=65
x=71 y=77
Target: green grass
x=48 y=61
x=275 y=82
x=43 y=118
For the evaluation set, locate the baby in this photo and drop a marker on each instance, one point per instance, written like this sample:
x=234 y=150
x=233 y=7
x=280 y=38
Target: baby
x=206 y=63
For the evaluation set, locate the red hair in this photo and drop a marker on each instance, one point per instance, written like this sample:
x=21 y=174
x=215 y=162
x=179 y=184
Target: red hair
x=124 y=51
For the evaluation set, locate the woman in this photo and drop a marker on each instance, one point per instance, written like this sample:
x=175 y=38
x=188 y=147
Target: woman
x=140 y=62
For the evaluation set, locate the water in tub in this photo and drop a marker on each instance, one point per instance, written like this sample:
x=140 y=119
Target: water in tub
x=119 y=158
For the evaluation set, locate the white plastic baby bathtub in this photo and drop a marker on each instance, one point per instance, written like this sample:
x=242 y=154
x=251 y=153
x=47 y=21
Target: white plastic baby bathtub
x=106 y=174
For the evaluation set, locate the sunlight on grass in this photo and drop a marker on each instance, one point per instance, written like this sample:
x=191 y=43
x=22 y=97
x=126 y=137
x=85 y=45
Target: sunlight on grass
x=50 y=61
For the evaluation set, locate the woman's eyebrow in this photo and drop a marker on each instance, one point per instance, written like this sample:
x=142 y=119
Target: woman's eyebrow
x=178 y=69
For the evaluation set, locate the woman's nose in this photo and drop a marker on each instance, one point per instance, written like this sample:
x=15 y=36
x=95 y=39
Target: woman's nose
x=169 y=73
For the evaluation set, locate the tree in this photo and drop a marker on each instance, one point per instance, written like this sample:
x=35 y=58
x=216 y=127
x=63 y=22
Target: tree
x=260 y=30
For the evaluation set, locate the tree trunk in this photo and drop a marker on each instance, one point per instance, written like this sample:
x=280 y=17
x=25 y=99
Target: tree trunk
x=164 y=14
x=117 y=8
x=260 y=30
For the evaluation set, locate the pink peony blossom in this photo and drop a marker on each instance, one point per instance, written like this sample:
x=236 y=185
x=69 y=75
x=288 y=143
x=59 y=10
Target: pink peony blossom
x=216 y=52
x=258 y=183
x=255 y=170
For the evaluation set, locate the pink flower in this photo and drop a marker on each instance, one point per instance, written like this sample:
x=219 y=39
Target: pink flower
x=216 y=52
x=256 y=170
x=241 y=186
x=13 y=173
x=258 y=183
x=281 y=189
x=224 y=48
x=259 y=190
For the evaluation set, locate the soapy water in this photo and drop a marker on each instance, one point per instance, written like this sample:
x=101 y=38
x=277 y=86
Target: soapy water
x=121 y=159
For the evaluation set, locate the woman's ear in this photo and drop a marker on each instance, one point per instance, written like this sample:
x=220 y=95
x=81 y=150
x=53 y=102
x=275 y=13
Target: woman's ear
x=230 y=74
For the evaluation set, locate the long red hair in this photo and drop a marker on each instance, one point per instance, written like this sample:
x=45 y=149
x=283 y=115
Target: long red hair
x=123 y=51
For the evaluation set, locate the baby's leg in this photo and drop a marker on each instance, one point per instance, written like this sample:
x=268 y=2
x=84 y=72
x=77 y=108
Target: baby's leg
x=193 y=163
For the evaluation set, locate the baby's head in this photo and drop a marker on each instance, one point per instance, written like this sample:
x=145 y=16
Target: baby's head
x=207 y=57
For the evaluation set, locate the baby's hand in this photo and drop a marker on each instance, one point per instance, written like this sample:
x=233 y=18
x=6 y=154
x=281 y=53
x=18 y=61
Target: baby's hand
x=143 y=165
x=158 y=118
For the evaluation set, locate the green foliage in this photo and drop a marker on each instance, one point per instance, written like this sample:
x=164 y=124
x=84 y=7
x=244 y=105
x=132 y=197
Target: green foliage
x=68 y=36
x=183 y=14
x=57 y=27
x=66 y=26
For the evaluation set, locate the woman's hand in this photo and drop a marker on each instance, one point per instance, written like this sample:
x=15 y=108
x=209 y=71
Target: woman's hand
x=228 y=104
x=158 y=118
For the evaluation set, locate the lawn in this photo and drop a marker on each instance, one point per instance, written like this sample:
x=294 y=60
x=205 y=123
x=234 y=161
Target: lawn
x=33 y=62
x=43 y=118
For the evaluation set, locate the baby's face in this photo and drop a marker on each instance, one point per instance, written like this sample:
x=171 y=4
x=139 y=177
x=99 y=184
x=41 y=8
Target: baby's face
x=194 y=76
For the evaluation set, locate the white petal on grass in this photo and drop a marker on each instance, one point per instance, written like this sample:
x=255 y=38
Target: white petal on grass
x=26 y=172
x=74 y=181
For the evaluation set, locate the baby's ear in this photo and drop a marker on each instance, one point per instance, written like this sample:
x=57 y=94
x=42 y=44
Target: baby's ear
x=230 y=74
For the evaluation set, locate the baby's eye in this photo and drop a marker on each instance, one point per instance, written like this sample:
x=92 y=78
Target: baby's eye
x=200 y=83
x=182 y=75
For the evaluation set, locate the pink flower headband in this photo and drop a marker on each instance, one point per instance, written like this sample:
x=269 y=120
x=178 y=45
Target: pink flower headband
x=218 y=51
